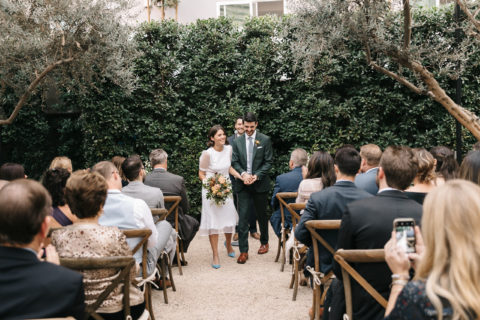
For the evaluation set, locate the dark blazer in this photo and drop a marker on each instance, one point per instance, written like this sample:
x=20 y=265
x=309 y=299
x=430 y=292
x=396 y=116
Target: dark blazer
x=30 y=288
x=367 y=224
x=327 y=204
x=261 y=164
x=287 y=182
x=174 y=185
x=367 y=181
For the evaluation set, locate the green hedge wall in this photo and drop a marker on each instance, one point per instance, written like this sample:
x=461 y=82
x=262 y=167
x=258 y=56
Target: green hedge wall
x=192 y=77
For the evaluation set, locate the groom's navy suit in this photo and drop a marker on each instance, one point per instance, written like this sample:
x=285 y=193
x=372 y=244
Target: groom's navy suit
x=258 y=191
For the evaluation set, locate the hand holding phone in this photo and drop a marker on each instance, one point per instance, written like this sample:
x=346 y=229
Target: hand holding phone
x=405 y=234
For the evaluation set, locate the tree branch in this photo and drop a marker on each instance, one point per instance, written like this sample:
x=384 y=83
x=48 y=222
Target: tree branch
x=407 y=24
x=31 y=87
x=469 y=15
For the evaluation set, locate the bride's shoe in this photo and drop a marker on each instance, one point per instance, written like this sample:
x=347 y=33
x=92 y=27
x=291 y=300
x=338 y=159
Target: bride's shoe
x=215 y=266
x=231 y=254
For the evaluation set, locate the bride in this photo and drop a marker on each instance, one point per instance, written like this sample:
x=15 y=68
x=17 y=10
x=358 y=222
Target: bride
x=217 y=219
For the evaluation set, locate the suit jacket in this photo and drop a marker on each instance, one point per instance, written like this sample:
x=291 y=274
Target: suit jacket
x=30 y=288
x=151 y=195
x=287 y=182
x=367 y=181
x=261 y=164
x=174 y=185
x=367 y=224
x=327 y=204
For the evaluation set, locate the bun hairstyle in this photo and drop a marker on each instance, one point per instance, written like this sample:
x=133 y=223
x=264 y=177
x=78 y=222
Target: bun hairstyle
x=212 y=132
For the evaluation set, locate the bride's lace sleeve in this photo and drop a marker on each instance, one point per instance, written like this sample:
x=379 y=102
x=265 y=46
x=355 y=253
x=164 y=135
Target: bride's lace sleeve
x=204 y=161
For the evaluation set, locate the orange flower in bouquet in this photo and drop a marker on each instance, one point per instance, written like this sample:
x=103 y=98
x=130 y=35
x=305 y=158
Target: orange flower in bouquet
x=219 y=188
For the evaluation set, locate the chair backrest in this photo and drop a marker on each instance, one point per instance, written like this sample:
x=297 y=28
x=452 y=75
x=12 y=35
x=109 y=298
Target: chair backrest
x=172 y=202
x=282 y=200
x=144 y=234
x=293 y=208
x=313 y=226
x=123 y=263
x=343 y=257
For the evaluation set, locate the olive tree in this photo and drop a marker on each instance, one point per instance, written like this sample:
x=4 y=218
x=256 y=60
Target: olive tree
x=64 y=43
x=326 y=29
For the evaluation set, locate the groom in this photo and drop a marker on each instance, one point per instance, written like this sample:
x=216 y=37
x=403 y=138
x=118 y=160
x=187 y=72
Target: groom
x=252 y=158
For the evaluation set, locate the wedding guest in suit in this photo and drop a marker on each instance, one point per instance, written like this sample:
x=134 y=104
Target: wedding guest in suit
x=330 y=203
x=86 y=194
x=367 y=224
x=424 y=182
x=55 y=181
x=446 y=262
x=371 y=154
x=134 y=171
x=287 y=182
x=252 y=217
x=126 y=212
x=117 y=161
x=29 y=287
x=252 y=158
x=61 y=163
x=172 y=185
x=11 y=171
x=447 y=166
x=320 y=174
x=470 y=168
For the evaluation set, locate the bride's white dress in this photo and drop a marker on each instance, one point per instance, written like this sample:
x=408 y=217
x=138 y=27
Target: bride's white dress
x=217 y=218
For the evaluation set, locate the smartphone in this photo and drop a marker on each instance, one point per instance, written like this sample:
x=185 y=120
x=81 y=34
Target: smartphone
x=405 y=233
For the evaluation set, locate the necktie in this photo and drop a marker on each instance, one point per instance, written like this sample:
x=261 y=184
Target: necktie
x=250 y=155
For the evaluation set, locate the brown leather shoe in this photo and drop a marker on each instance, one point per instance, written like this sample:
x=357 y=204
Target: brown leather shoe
x=235 y=237
x=263 y=249
x=242 y=258
x=255 y=235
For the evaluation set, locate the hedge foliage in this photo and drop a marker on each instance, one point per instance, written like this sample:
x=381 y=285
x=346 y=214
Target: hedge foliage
x=192 y=77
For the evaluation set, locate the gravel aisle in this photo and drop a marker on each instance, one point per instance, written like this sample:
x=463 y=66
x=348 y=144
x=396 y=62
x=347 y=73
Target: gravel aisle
x=255 y=290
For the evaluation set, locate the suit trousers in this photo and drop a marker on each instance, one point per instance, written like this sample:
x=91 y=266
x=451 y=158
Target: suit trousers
x=252 y=217
x=260 y=202
x=166 y=241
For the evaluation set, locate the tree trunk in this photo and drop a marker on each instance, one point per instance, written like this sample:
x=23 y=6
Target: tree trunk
x=163 y=10
x=31 y=88
x=176 y=12
x=468 y=119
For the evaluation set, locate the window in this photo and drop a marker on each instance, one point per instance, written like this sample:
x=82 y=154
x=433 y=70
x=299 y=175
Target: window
x=241 y=9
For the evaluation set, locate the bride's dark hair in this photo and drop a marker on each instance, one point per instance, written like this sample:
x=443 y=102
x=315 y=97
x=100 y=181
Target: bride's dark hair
x=212 y=132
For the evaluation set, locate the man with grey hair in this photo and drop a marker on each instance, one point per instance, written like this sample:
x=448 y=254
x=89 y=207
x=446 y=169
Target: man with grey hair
x=287 y=182
x=172 y=185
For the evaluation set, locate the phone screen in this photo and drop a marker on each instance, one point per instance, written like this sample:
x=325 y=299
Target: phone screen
x=405 y=234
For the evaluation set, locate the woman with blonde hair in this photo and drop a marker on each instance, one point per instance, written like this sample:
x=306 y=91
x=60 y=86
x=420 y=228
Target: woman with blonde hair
x=447 y=259
x=424 y=181
x=62 y=162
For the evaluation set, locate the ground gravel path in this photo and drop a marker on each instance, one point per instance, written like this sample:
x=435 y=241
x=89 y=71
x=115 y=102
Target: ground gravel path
x=255 y=290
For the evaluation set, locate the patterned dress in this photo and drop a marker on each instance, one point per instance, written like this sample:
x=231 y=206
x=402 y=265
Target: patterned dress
x=94 y=241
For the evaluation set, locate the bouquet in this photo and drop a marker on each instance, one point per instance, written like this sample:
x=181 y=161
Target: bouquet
x=218 y=188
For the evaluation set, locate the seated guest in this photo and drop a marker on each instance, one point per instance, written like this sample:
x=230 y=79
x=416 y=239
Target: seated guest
x=11 y=171
x=446 y=262
x=30 y=288
x=86 y=194
x=367 y=179
x=126 y=212
x=447 y=166
x=63 y=163
x=320 y=174
x=54 y=181
x=134 y=171
x=172 y=185
x=424 y=181
x=287 y=182
x=367 y=224
x=330 y=203
x=117 y=161
x=470 y=168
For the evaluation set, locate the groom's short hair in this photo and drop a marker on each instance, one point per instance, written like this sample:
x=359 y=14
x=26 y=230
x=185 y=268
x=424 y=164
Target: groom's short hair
x=249 y=117
x=348 y=160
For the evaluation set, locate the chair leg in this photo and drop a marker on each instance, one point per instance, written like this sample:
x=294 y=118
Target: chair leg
x=182 y=251
x=179 y=262
x=278 y=249
x=169 y=267
x=148 y=300
x=164 y=276
x=295 y=279
x=284 y=258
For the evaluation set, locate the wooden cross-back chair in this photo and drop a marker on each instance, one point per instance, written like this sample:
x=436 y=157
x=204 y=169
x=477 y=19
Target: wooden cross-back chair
x=343 y=257
x=144 y=234
x=281 y=196
x=123 y=263
x=321 y=281
x=162 y=214
x=299 y=255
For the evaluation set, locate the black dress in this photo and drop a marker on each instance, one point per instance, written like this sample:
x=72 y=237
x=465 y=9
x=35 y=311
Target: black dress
x=416 y=196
